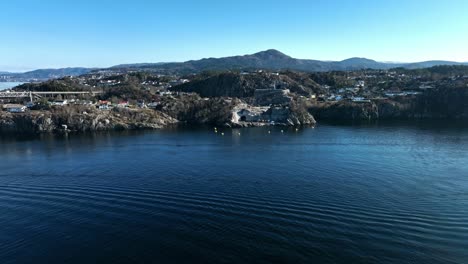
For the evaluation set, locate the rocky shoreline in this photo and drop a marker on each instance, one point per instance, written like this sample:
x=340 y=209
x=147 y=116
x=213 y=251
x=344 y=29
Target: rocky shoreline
x=223 y=113
x=192 y=109
x=82 y=119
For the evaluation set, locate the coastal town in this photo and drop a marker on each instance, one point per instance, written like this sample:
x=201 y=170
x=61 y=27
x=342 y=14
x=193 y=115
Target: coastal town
x=251 y=97
x=361 y=86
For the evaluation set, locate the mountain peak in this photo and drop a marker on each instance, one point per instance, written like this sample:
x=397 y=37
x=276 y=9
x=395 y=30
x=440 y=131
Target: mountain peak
x=271 y=54
x=358 y=59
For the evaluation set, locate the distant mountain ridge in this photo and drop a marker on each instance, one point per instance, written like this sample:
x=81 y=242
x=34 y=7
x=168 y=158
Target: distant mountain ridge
x=135 y=65
x=276 y=60
x=46 y=74
x=269 y=60
x=428 y=64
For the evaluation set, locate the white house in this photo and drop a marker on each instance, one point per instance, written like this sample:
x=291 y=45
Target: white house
x=60 y=102
x=153 y=105
x=103 y=107
x=360 y=100
x=123 y=104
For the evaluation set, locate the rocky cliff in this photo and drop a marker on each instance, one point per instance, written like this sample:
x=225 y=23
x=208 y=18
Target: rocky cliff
x=244 y=115
x=82 y=119
x=443 y=103
x=225 y=111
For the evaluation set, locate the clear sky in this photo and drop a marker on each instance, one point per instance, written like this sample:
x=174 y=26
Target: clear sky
x=97 y=33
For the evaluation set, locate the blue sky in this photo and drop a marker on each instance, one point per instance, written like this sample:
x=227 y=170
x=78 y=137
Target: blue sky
x=53 y=33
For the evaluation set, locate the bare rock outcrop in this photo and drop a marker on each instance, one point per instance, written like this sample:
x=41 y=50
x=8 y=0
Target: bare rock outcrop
x=82 y=119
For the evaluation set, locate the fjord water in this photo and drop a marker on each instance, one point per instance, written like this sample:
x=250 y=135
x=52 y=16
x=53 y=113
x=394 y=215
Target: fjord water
x=8 y=85
x=334 y=194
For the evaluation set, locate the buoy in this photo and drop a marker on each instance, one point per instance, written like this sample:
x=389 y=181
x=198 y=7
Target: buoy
x=297 y=129
x=282 y=131
x=222 y=134
x=239 y=133
x=269 y=132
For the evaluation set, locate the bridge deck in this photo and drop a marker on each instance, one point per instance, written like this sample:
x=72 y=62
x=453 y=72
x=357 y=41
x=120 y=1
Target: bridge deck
x=28 y=94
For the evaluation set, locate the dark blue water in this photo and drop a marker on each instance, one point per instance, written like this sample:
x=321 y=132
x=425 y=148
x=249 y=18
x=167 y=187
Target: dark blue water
x=333 y=194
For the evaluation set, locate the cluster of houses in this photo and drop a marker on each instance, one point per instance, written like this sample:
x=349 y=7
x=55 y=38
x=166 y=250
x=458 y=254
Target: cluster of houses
x=362 y=92
x=354 y=96
x=107 y=105
x=101 y=105
x=109 y=78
